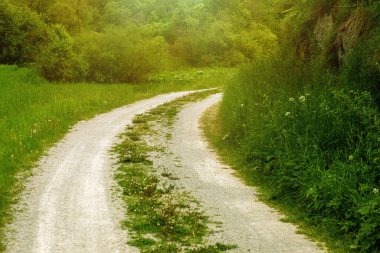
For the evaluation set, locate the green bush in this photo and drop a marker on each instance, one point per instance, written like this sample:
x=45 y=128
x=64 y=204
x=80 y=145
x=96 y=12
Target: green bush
x=362 y=65
x=22 y=34
x=58 y=59
x=27 y=39
x=122 y=55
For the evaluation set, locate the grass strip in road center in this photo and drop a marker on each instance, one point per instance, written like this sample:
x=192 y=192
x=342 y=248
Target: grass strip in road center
x=161 y=217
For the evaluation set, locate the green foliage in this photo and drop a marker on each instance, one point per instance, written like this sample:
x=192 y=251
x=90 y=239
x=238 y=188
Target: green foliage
x=205 y=77
x=314 y=148
x=362 y=65
x=307 y=132
x=22 y=34
x=122 y=55
x=58 y=59
x=27 y=39
x=119 y=41
x=64 y=14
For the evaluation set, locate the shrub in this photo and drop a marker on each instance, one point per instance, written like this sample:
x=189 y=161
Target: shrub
x=22 y=34
x=58 y=59
x=122 y=55
x=362 y=65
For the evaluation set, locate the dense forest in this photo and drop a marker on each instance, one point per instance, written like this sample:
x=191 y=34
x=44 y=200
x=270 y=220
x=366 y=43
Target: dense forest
x=123 y=41
x=301 y=118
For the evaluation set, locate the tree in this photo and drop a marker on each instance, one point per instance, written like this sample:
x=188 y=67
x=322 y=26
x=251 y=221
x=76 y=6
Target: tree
x=22 y=34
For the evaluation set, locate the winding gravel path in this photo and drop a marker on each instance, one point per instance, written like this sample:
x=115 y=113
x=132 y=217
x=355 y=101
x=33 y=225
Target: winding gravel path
x=68 y=205
x=247 y=222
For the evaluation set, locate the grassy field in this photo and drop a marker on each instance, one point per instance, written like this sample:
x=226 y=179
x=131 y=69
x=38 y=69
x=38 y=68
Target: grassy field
x=34 y=114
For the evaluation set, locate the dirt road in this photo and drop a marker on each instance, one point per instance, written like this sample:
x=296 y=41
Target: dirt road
x=68 y=205
x=247 y=222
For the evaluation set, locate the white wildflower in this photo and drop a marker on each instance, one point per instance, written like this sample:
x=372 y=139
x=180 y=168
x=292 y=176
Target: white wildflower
x=351 y=157
x=287 y=114
x=34 y=131
x=375 y=190
x=291 y=100
x=302 y=99
x=225 y=137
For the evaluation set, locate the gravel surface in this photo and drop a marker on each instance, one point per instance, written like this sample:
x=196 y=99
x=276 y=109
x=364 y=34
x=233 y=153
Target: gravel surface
x=68 y=205
x=247 y=222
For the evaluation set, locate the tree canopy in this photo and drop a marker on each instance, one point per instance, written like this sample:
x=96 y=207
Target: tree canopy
x=136 y=38
x=126 y=40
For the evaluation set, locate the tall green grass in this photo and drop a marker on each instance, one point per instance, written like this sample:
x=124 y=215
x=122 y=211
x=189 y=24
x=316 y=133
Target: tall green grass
x=34 y=114
x=313 y=146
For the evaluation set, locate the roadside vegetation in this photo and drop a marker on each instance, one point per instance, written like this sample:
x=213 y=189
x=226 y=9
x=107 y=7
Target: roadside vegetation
x=304 y=125
x=161 y=217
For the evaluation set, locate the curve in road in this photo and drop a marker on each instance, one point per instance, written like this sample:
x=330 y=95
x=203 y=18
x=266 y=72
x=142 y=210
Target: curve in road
x=68 y=206
x=247 y=222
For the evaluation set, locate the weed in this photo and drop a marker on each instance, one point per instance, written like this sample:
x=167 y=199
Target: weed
x=218 y=247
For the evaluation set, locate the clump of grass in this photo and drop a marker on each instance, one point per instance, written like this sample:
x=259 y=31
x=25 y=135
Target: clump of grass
x=34 y=114
x=218 y=247
x=161 y=217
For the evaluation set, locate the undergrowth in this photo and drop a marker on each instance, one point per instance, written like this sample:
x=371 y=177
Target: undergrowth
x=160 y=216
x=305 y=125
x=312 y=146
